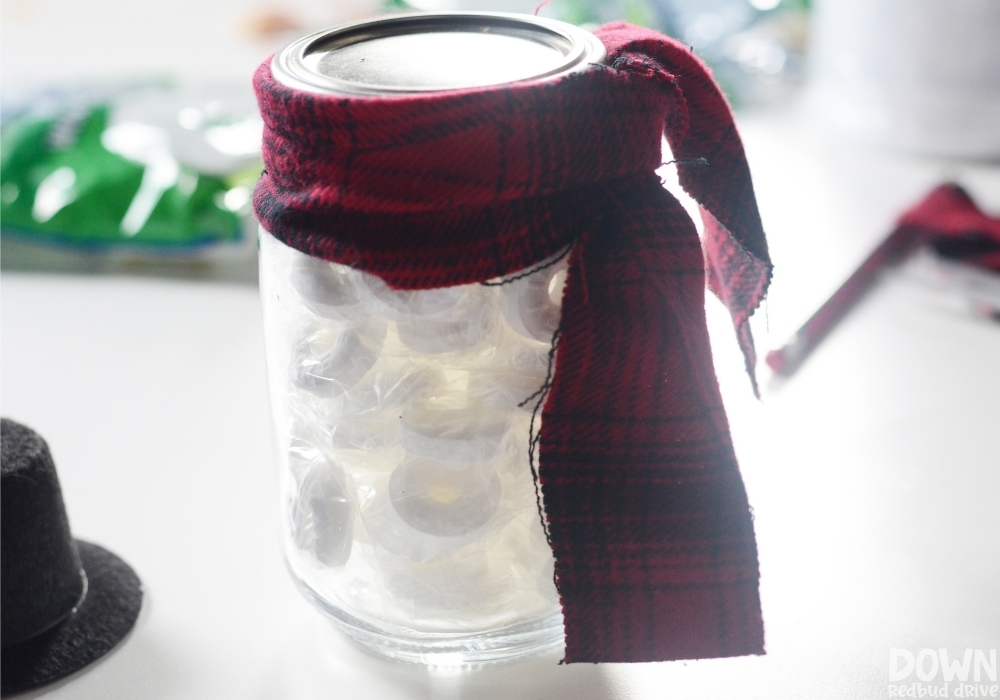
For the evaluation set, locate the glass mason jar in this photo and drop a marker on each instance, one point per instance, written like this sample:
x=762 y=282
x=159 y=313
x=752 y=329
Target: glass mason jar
x=404 y=418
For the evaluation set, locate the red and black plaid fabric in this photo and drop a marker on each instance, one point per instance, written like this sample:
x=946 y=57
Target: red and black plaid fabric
x=950 y=221
x=648 y=518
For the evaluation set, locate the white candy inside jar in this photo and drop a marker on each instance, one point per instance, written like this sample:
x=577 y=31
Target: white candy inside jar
x=403 y=421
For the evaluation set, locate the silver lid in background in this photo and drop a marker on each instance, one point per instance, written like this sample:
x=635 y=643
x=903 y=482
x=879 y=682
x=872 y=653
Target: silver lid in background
x=433 y=52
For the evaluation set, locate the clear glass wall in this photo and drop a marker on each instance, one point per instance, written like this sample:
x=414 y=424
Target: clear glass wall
x=403 y=422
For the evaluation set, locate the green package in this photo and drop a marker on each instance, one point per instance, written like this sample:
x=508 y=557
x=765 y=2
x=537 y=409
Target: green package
x=101 y=175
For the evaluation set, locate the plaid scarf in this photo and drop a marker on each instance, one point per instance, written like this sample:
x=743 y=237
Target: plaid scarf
x=645 y=508
x=955 y=227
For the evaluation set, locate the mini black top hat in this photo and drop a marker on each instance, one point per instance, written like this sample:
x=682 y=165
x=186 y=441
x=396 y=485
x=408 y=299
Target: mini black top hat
x=66 y=602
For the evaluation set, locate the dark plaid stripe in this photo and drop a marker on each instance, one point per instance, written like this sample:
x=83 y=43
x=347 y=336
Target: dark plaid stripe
x=650 y=526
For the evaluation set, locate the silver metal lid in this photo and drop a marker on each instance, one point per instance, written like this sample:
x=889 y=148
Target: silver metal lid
x=434 y=52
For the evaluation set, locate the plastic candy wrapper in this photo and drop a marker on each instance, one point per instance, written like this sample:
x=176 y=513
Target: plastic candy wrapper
x=151 y=167
x=403 y=422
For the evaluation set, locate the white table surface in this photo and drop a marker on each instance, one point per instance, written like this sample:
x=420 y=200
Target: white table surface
x=874 y=472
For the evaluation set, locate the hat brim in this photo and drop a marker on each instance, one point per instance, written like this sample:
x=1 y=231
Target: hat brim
x=106 y=615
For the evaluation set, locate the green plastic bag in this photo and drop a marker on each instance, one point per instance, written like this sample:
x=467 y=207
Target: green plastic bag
x=139 y=170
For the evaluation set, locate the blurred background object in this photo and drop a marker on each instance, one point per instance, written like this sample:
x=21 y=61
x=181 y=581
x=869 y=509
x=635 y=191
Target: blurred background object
x=916 y=75
x=756 y=47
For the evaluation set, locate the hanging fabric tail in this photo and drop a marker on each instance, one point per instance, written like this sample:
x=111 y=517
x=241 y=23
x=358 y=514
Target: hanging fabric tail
x=648 y=517
x=712 y=168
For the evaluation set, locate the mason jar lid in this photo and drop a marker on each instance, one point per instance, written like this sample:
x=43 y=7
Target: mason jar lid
x=433 y=52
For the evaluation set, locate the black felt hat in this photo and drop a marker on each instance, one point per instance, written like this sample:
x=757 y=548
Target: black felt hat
x=66 y=603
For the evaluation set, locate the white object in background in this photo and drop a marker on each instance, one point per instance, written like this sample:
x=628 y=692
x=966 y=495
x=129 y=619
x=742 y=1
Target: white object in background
x=917 y=75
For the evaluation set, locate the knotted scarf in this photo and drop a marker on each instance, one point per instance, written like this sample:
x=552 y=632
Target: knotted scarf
x=648 y=519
